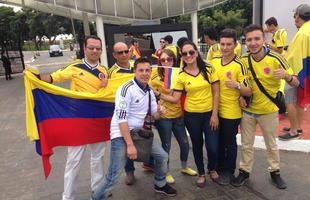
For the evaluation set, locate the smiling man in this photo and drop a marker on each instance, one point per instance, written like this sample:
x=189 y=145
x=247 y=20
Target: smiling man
x=131 y=107
x=86 y=75
x=270 y=68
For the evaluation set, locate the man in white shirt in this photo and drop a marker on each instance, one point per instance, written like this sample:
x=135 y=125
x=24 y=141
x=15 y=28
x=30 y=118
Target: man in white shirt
x=131 y=108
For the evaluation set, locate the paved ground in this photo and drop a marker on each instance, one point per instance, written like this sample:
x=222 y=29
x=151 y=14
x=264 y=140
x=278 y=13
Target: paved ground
x=21 y=175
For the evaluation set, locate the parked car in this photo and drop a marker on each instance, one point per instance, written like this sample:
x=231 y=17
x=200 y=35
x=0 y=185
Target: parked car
x=54 y=50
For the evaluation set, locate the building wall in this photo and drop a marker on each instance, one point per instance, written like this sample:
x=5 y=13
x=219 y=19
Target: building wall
x=283 y=11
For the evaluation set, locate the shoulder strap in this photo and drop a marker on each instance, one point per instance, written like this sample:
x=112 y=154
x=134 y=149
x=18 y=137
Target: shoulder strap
x=148 y=117
x=260 y=86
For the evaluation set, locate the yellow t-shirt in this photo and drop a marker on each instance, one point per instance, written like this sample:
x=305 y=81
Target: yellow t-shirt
x=117 y=71
x=83 y=77
x=229 y=107
x=279 y=38
x=199 y=97
x=264 y=68
x=173 y=110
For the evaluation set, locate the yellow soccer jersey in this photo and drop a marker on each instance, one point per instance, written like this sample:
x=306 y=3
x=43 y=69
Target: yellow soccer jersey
x=229 y=98
x=214 y=51
x=117 y=71
x=238 y=50
x=84 y=78
x=264 y=68
x=173 y=48
x=173 y=109
x=199 y=97
x=279 y=38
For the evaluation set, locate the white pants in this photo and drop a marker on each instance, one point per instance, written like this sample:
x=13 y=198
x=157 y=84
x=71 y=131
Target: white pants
x=74 y=158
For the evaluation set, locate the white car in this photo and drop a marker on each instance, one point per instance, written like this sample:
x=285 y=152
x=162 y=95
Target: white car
x=54 y=50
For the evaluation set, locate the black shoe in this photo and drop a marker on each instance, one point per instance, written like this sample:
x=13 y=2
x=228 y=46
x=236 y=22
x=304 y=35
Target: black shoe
x=225 y=178
x=277 y=180
x=167 y=190
x=299 y=131
x=130 y=178
x=288 y=136
x=241 y=178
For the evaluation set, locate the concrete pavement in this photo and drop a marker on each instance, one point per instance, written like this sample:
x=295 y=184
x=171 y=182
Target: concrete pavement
x=21 y=174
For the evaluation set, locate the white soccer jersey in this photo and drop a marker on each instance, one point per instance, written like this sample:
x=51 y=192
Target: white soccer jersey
x=131 y=106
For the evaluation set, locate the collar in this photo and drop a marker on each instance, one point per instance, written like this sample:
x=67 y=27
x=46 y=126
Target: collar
x=145 y=89
x=90 y=66
x=125 y=68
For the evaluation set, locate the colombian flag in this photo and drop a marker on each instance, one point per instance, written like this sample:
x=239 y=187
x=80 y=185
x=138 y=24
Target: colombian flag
x=60 y=117
x=298 y=57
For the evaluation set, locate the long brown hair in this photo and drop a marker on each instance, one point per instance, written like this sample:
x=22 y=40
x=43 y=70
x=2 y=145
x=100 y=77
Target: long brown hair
x=160 y=70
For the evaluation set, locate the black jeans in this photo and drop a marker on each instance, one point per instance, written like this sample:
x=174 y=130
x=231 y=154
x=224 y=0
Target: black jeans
x=198 y=126
x=228 y=145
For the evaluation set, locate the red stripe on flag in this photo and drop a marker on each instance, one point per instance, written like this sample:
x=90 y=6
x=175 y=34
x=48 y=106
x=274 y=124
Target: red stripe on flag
x=70 y=132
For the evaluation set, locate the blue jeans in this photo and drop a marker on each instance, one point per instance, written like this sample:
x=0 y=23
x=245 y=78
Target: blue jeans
x=198 y=125
x=118 y=157
x=228 y=145
x=165 y=128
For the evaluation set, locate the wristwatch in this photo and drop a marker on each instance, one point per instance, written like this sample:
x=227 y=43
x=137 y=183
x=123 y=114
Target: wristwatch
x=238 y=86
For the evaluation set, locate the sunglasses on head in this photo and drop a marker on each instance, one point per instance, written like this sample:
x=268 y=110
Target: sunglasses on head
x=169 y=59
x=122 y=52
x=190 y=53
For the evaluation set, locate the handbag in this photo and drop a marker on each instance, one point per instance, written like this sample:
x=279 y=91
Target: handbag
x=143 y=138
x=279 y=101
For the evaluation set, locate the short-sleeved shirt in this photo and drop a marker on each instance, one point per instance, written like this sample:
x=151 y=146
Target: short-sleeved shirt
x=199 y=98
x=229 y=107
x=118 y=71
x=173 y=110
x=279 y=38
x=84 y=77
x=264 y=69
x=131 y=106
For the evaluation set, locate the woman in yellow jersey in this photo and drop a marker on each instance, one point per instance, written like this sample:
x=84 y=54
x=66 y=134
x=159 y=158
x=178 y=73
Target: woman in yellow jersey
x=172 y=120
x=200 y=82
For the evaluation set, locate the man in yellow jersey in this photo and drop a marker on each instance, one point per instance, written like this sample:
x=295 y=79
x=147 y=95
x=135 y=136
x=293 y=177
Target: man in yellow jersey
x=269 y=68
x=298 y=56
x=279 y=37
x=122 y=65
x=210 y=37
x=169 y=39
x=86 y=75
x=231 y=72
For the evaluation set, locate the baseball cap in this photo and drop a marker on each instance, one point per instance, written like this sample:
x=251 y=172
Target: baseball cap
x=303 y=10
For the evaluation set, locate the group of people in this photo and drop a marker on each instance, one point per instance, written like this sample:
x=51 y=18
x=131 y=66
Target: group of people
x=220 y=95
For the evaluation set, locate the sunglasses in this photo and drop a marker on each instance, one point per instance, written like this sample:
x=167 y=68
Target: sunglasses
x=122 y=52
x=162 y=41
x=190 y=53
x=169 y=59
x=93 y=48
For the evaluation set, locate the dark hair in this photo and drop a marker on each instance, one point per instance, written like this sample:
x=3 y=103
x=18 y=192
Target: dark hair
x=133 y=41
x=181 y=41
x=91 y=37
x=271 y=21
x=229 y=33
x=168 y=38
x=141 y=60
x=170 y=53
x=253 y=27
x=211 y=33
x=200 y=63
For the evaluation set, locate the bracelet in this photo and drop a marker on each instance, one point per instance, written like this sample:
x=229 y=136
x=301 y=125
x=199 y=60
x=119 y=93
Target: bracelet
x=290 y=79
